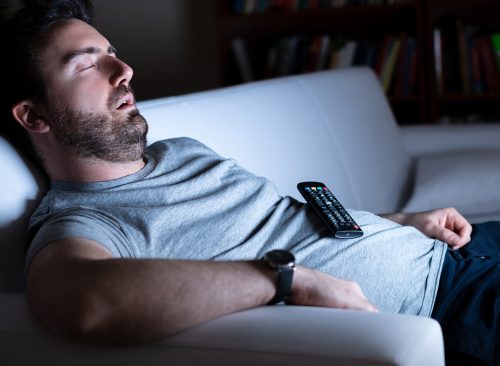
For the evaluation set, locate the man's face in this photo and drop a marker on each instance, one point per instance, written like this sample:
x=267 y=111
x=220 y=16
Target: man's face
x=89 y=103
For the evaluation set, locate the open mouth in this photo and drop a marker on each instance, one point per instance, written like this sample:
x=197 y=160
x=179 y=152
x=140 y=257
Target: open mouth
x=125 y=102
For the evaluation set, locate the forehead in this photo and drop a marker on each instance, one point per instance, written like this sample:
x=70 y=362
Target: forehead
x=65 y=37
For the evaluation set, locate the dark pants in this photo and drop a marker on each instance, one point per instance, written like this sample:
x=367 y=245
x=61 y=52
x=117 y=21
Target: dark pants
x=468 y=300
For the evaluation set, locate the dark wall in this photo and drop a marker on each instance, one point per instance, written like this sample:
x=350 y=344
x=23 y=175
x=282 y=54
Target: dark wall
x=170 y=44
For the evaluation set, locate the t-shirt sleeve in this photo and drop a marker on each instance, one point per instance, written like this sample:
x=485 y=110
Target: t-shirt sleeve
x=91 y=225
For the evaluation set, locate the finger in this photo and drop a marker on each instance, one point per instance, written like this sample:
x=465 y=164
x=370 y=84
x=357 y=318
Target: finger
x=463 y=229
x=370 y=307
x=465 y=232
x=459 y=224
x=360 y=304
x=448 y=236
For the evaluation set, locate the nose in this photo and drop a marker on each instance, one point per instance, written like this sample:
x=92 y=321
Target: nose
x=121 y=73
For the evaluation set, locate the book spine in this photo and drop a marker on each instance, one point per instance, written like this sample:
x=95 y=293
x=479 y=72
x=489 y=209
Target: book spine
x=438 y=61
x=383 y=54
x=477 y=79
x=401 y=65
x=488 y=64
x=495 y=42
x=240 y=53
x=463 y=57
x=388 y=70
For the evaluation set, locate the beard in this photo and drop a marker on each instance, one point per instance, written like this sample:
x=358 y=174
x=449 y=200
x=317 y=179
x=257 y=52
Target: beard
x=113 y=136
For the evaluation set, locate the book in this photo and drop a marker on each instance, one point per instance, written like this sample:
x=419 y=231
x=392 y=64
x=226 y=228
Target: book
x=389 y=64
x=477 y=85
x=314 y=54
x=240 y=53
x=438 y=61
x=271 y=62
x=324 y=52
x=452 y=79
x=346 y=54
x=238 y=6
x=250 y=6
x=412 y=77
x=383 y=54
x=401 y=64
x=337 y=43
x=360 y=55
x=463 y=58
x=495 y=42
x=488 y=64
x=287 y=55
x=371 y=53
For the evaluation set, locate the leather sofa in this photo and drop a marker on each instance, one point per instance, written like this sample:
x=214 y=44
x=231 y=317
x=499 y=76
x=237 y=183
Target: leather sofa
x=332 y=126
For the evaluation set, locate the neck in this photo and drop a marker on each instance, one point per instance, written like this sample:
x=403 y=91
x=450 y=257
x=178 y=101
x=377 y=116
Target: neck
x=89 y=171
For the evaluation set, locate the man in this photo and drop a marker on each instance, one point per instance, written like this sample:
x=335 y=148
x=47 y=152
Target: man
x=134 y=243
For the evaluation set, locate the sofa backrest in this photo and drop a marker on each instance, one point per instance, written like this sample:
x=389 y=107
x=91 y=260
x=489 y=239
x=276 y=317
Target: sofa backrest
x=21 y=188
x=332 y=126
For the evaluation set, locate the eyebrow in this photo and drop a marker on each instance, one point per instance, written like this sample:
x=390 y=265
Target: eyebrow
x=70 y=56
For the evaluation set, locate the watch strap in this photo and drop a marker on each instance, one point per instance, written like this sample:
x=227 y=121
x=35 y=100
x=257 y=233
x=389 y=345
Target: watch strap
x=283 y=286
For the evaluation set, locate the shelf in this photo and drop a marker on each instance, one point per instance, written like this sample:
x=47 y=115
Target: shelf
x=405 y=99
x=376 y=17
x=374 y=24
x=475 y=11
x=460 y=98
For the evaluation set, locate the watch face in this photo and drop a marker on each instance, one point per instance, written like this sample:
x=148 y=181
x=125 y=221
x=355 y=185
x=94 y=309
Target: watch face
x=281 y=258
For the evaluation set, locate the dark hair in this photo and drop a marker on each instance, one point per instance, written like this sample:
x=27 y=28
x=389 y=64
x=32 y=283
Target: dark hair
x=20 y=77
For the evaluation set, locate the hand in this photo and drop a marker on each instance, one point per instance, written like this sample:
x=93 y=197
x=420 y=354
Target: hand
x=445 y=224
x=314 y=288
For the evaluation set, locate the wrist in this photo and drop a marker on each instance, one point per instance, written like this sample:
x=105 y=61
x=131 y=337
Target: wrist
x=303 y=288
x=399 y=217
x=282 y=263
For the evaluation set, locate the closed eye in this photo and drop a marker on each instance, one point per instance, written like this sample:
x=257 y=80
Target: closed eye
x=87 y=67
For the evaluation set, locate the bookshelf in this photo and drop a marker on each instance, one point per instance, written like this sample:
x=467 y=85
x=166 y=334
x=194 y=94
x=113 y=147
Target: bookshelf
x=282 y=37
x=464 y=72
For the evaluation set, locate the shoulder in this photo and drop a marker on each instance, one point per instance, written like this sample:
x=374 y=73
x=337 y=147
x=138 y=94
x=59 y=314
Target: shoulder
x=78 y=222
x=178 y=144
x=181 y=149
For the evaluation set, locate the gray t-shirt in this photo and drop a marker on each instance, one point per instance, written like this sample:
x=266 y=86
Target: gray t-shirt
x=190 y=203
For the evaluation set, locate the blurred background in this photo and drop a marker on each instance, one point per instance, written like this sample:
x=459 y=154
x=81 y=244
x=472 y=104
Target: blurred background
x=170 y=44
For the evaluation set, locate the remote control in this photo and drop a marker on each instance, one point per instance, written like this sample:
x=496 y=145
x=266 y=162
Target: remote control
x=330 y=210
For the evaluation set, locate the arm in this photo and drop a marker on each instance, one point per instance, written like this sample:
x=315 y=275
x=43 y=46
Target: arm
x=78 y=290
x=445 y=224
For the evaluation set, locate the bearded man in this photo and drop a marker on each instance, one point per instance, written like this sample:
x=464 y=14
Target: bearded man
x=133 y=243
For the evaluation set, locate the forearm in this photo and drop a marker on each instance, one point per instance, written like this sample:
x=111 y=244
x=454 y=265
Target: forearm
x=445 y=224
x=117 y=300
x=398 y=217
x=78 y=290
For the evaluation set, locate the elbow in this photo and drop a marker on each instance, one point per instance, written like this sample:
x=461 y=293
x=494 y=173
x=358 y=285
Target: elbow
x=94 y=318
x=85 y=320
x=82 y=317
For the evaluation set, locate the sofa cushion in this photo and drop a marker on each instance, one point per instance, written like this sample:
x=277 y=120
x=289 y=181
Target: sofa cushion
x=466 y=180
x=366 y=137
x=332 y=126
x=20 y=193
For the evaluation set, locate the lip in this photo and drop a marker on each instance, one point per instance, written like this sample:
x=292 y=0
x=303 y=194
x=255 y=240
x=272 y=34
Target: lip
x=125 y=102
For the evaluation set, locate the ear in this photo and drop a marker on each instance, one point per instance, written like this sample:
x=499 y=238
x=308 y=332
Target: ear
x=26 y=115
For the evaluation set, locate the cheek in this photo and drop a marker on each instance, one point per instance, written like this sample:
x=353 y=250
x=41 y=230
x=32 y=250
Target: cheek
x=84 y=96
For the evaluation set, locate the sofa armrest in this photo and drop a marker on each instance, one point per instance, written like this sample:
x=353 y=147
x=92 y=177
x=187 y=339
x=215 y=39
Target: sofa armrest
x=272 y=335
x=430 y=139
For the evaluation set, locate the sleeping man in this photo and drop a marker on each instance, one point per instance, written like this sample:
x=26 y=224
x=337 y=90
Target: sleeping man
x=135 y=242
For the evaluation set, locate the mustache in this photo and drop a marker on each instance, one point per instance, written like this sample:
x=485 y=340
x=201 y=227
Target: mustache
x=119 y=93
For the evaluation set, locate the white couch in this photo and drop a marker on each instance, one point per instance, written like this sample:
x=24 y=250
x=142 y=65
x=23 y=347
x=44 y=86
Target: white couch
x=333 y=126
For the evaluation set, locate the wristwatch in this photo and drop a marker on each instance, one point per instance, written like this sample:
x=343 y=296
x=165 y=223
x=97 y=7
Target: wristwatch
x=283 y=262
